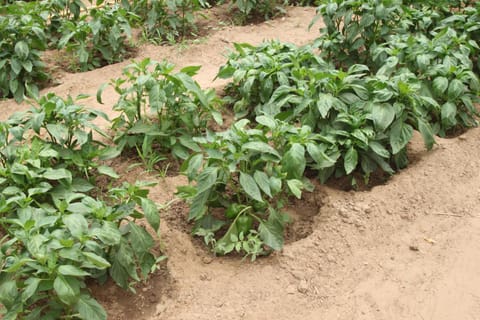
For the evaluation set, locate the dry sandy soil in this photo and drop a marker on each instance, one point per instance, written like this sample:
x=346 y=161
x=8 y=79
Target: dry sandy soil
x=407 y=249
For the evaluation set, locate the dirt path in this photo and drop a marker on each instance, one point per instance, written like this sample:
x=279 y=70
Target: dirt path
x=409 y=249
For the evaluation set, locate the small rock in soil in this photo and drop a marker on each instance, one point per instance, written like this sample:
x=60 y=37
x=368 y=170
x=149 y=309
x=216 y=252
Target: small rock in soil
x=303 y=287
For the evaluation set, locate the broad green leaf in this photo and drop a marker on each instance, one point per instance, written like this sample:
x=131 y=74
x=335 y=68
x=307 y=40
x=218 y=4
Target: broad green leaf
x=22 y=50
x=382 y=116
x=108 y=171
x=324 y=104
x=322 y=160
x=294 y=161
x=440 y=85
x=76 y=224
x=57 y=174
x=266 y=121
x=350 y=160
x=151 y=213
x=225 y=244
x=90 y=309
x=30 y=288
x=58 y=131
x=427 y=133
x=140 y=239
x=250 y=186
x=198 y=206
x=271 y=231
x=295 y=187
x=455 y=89
x=67 y=289
x=8 y=293
x=260 y=147
x=109 y=233
x=449 y=112
x=263 y=182
x=400 y=135
x=206 y=179
x=96 y=260
x=70 y=270
x=379 y=149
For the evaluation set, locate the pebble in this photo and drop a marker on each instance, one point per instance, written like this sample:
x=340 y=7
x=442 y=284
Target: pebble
x=207 y=260
x=303 y=287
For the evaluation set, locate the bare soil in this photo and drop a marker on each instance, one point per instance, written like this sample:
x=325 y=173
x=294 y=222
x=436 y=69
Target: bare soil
x=405 y=249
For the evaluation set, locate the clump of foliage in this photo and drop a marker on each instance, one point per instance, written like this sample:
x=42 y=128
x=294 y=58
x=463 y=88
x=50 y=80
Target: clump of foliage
x=165 y=20
x=369 y=119
x=161 y=110
x=243 y=179
x=436 y=42
x=99 y=38
x=22 y=39
x=251 y=10
x=58 y=229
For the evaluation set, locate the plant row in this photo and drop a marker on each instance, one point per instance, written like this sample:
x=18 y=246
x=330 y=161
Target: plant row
x=90 y=34
x=345 y=105
x=58 y=226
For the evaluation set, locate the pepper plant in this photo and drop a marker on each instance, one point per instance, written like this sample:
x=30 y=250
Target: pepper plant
x=244 y=177
x=159 y=109
x=58 y=227
x=22 y=40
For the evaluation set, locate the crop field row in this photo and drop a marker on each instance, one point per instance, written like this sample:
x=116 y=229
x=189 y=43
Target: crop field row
x=345 y=105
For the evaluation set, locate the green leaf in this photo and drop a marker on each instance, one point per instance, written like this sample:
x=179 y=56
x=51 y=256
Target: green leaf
x=100 y=92
x=440 y=85
x=76 y=224
x=58 y=131
x=294 y=161
x=57 y=174
x=350 y=160
x=70 y=270
x=455 y=89
x=263 y=182
x=206 y=179
x=8 y=293
x=379 y=149
x=108 y=171
x=271 y=231
x=90 y=309
x=266 y=121
x=382 y=116
x=400 y=135
x=322 y=160
x=250 y=186
x=295 y=187
x=449 y=112
x=260 y=147
x=140 y=239
x=151 y=213
x=30 y=288
x=324 y=104
x=96 y=260
x=67 y=289
x=109 y=233
x=427 y=133
x=22 y=50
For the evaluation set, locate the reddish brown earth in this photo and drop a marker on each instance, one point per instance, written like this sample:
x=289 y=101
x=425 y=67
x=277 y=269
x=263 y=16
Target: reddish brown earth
x=407 y=249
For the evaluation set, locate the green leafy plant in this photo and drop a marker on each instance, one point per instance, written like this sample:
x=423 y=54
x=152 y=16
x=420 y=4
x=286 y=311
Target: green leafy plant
x=58 y=229
x=67 y=126
x=243 y=178
x=22 y=39
x=257 y=9
x=99 y=38
x=166 y=20
x=160 y=109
